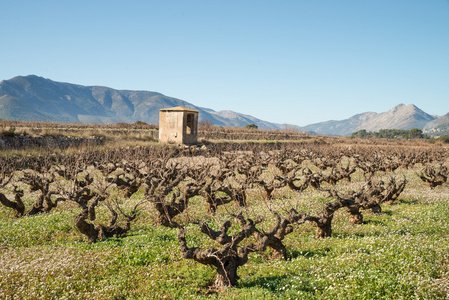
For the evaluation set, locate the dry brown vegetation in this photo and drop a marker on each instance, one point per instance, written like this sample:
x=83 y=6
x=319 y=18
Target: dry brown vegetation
x=223 y=177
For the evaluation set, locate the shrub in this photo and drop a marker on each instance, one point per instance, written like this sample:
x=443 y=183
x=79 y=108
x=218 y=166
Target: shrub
x=444 y=138
x=415 y=133
x=252 y=126
x=9 y=132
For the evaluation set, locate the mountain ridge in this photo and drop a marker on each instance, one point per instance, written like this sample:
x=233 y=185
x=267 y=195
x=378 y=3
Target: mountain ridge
x=34 y=98
x=399 y=117
x=438 y=127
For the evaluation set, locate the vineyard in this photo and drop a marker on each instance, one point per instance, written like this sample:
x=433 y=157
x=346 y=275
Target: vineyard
x=306 y=218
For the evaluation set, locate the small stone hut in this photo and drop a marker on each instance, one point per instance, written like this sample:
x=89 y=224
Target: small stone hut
x=178 y=125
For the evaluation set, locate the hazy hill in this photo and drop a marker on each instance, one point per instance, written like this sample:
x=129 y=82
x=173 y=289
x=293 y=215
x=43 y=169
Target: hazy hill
x=33 y=98
x=343 y=127
x=399 y=117
x=438 y=126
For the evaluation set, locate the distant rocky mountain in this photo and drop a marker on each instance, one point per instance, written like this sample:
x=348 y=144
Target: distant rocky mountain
x=343 y=127
x=399 y=117
x=33 y=98
x=438 y=126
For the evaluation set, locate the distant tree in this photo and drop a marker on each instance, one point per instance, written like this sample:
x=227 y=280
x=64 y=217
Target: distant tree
x=393 y=133
x=140 y=123
x=415 y=133
x=361 y=134
x=9 y=132
x=207 y=124
x=252 y=126
x=444 y=138
x=290 y=128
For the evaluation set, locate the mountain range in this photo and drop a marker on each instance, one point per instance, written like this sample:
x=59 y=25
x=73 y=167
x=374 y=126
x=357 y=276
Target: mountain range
x=34 y=98
x=399 y=117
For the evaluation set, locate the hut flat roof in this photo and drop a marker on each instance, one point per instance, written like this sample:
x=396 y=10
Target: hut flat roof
x=178 y=108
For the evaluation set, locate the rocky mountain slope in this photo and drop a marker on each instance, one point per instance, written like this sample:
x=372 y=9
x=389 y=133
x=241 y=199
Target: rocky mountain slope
x=33 y=98
x=399 y=117
x=438 y=126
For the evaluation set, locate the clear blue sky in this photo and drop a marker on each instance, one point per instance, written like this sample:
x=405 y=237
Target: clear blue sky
x=297 y=62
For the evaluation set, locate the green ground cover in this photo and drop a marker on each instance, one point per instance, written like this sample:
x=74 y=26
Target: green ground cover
x=402 y=253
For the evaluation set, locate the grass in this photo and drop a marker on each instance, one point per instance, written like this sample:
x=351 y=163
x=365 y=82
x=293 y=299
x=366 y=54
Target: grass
x=402 y=253
x=119 y=142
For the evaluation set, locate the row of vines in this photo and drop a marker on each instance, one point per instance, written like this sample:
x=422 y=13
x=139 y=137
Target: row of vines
x=229 y=180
